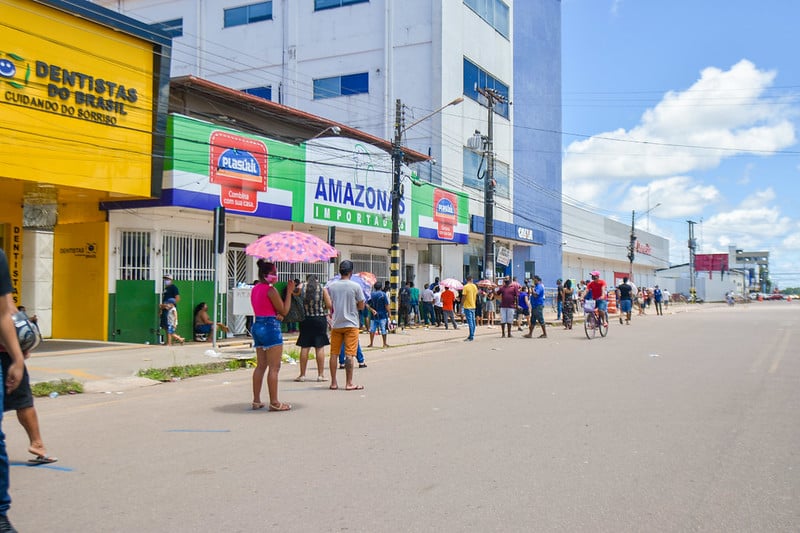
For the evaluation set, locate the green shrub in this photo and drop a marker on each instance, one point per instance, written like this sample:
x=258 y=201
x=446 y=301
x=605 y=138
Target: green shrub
x=64 y=386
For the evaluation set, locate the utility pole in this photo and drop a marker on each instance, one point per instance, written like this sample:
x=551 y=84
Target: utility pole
x=492 y=97
x=692 y=248
x=632 y=245
x=397 y=194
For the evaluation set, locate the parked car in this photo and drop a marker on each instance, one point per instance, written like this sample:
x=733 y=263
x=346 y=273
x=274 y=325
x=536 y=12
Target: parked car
x=775 y=296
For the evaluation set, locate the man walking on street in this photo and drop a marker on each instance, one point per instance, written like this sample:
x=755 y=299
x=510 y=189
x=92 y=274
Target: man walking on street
x=11 y=378
x=509 y=294
x=625 y=297
x=537 y=308
x=347 y=299
x=469 y=296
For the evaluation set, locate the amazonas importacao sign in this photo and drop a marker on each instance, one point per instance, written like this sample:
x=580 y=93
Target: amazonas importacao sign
x=78 y=96
x=335 y=182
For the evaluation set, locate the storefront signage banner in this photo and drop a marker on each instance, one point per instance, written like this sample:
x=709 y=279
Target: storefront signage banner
x=336 y=182
x=82 y=90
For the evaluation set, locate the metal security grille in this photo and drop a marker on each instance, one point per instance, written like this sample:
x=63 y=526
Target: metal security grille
x=377 y=264
x=135 y=255
x=188 y=257
x=237 y=268
x=287 y=271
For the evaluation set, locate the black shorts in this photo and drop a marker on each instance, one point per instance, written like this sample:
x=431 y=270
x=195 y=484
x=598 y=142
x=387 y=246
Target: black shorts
x=21 y=397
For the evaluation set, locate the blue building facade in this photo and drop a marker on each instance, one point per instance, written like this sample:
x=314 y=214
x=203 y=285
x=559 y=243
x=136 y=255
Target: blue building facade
x=536 y=109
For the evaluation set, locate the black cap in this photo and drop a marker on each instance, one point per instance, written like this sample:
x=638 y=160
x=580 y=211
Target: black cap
x=346 y=267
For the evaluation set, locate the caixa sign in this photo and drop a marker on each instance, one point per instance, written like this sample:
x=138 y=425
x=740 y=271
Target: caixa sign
x=524 y=234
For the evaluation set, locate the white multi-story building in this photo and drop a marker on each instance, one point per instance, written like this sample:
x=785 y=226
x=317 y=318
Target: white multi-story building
x=351 y=60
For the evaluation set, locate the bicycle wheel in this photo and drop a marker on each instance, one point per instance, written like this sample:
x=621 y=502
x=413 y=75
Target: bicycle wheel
x=589 y=326
x=602 y=328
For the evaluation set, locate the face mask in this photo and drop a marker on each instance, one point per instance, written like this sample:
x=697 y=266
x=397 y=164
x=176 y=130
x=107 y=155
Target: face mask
x=167 y=283
x=271 y=278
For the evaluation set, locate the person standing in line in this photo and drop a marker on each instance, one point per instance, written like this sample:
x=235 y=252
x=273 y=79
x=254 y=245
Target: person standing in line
x=172 y=322
x=625 y=298
x=489 y=308
x=569 y=304
x=559 y=299
x=404 y=307
x=658 y=297
x=437 y=305
x=448 y=299
x=267 y=337
x=666 y=297
x=314 y=328
x=414 y=294
x=427 y=306
x=523 y=307
x=347 y=300
x=480 y=302
x=469 y=302
x=537 y=308
x=509 y=295
x=379 y=306
x=170 y=291
x=12 y=377
x=642 y=300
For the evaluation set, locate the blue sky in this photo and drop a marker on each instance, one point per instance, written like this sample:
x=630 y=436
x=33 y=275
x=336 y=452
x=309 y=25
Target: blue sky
x=693 y=105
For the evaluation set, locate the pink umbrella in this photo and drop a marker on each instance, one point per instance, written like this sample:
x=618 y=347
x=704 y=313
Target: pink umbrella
x=369 y=277
x=451 y=284
x=486 y=284
x=291 y=247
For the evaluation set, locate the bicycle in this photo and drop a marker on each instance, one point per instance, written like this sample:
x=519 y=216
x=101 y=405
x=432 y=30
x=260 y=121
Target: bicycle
x=592 y=323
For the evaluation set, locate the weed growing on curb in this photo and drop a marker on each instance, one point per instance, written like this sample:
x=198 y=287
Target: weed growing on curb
x=64 y=386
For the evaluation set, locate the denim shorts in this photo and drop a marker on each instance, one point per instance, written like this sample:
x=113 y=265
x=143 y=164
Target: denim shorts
x=378 y=324
x=602 y=305
x=266 y=332
x=625 y=306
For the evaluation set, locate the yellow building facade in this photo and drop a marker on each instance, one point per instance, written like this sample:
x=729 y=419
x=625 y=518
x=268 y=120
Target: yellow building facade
x=83 y=100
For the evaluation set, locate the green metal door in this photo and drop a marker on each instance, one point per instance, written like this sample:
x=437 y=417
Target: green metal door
x=134 y=312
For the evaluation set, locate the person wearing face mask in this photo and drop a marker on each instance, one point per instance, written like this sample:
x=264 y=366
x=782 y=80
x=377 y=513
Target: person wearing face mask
x=266 y=332
x=170 y=292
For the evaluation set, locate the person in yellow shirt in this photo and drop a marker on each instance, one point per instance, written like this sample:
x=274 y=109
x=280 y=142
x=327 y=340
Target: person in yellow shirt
x=469 y=296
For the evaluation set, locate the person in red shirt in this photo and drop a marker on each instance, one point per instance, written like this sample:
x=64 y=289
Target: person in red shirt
x=599 y=294
x=448 y=301
x=508 y=294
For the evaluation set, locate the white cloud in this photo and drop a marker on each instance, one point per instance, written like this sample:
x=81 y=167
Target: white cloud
x=678 y=196
x=724 y=110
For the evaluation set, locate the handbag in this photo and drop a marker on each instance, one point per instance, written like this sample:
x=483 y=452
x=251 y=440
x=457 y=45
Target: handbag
x=297 y=312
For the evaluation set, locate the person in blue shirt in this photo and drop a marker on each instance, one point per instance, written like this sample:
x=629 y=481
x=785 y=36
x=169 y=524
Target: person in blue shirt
x=378 y=305
x=658 y=297
x=537 y=308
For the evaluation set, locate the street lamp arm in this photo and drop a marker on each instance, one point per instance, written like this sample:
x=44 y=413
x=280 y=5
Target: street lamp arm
x=429 y=115
x=645 y=212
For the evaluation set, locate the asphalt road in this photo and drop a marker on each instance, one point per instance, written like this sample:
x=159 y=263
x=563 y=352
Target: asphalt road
x=686 y=422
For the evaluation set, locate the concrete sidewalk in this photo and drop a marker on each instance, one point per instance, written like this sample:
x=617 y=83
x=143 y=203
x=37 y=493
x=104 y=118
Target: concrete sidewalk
x=110 y=367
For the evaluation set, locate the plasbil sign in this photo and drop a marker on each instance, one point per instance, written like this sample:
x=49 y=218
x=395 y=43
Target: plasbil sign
x=239 y=166
x=445 y=213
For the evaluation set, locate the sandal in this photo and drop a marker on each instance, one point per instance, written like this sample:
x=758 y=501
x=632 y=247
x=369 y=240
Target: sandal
x=322 y=378
x=257 y=405
x=300 y=379
x=279 y=406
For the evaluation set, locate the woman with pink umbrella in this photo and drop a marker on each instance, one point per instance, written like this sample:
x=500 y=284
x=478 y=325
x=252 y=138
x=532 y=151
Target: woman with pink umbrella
x=266 y=332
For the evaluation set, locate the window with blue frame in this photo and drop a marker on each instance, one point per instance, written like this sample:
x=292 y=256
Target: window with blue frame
x=261 y=92
x=473 y=165
x=173 y=28
x=237 y=16
x=330 y=4
x=494 y=12
x=341 y=86
x=475 y=77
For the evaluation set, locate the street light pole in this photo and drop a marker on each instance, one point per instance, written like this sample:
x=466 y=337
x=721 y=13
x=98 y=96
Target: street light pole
x=492 y=97
x=632 y=245
x=397 y=195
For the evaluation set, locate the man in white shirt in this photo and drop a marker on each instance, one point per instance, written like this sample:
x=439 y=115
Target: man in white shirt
x=347 y=299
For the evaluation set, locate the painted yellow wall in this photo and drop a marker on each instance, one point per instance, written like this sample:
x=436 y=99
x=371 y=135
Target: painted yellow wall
x=80 y=281
x=79 y=100
x=11 y=238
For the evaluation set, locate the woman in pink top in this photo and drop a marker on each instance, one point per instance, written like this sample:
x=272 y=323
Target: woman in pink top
x=266 y=332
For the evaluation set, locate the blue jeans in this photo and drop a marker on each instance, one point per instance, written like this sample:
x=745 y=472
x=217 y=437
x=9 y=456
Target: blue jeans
x=359 y=355
x=427 y=313
x=415 y=310
x=470 y=314
x=560 y=309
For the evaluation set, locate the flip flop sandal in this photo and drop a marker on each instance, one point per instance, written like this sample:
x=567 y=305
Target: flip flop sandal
x=279 y=407
x=43 y=460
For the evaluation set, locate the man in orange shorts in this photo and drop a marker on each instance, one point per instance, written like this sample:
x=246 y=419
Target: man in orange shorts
x=348 y=300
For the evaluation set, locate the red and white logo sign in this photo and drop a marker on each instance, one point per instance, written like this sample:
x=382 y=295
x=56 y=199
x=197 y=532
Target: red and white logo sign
x=445 y=213
x=239 y=166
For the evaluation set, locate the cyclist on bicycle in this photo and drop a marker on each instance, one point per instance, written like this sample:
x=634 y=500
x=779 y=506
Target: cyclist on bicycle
x=597 y=288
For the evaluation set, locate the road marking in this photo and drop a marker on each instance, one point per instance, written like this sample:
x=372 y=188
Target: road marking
x=198 y=430
x=72 y=372
x=766 y=350
x=781 y=351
